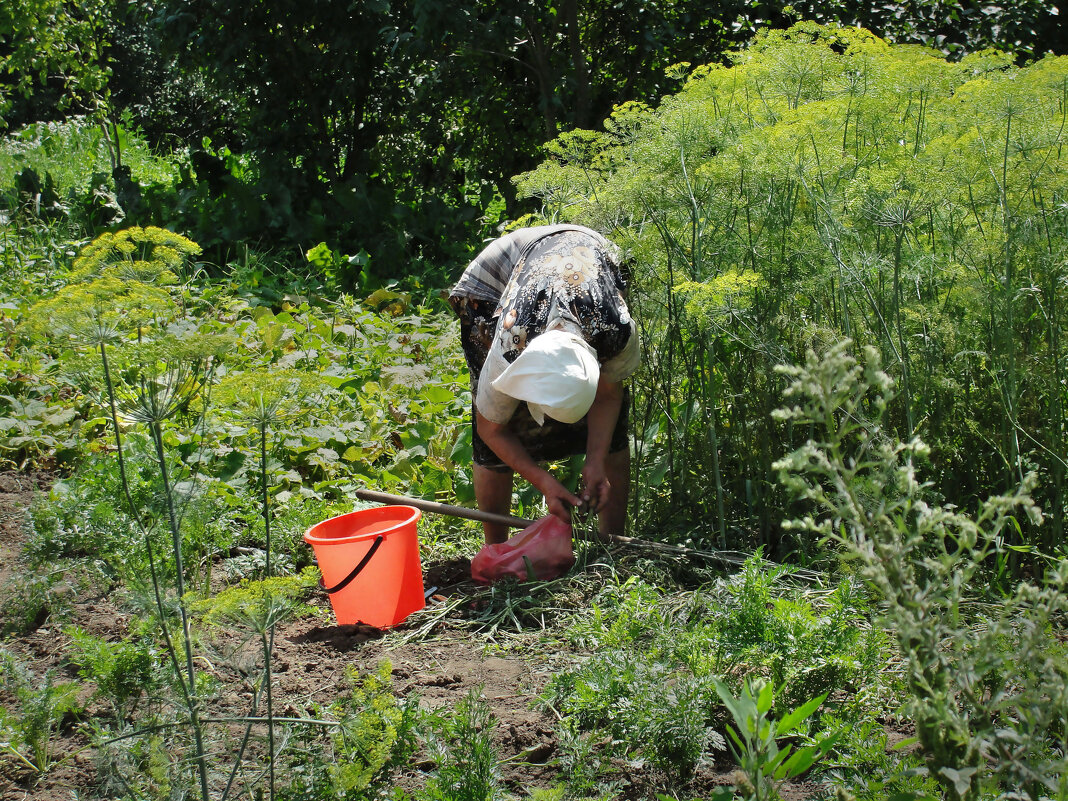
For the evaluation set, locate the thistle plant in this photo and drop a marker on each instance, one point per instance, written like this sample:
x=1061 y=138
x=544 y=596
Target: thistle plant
x=988 y=690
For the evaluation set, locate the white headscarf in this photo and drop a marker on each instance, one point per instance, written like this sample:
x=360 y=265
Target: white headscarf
x=556 y=374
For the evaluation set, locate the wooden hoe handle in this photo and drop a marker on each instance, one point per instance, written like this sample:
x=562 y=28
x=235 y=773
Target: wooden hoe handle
x=442 y=508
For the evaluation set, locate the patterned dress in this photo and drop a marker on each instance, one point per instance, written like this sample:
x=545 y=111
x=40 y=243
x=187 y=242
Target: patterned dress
x=521 y=285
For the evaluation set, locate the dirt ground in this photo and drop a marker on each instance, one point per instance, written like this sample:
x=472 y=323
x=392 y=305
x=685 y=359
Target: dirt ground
x=311 y=658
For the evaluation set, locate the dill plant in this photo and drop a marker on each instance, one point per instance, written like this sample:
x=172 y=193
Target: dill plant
x=118 y=299
x=826 y=184
x=652 y=692
x=266 y=401
x=376 y=735
x=462 y=748
x=123 y=671
x=43 y=703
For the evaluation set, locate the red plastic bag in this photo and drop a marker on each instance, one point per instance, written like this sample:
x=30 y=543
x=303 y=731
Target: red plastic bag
x=542 y=549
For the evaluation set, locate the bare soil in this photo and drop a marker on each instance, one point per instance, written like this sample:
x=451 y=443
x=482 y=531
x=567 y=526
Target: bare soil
x=311 y=657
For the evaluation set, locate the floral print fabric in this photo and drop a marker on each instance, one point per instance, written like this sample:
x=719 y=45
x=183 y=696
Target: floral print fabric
x=565 y=279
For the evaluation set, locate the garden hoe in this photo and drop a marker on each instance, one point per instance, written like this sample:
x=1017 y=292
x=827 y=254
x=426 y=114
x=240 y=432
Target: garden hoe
x=734 y=558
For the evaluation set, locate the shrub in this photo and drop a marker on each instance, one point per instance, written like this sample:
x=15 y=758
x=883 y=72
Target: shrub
x=988 y=693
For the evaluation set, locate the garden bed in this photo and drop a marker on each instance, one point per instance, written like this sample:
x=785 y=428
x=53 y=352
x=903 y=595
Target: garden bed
x=311 y=657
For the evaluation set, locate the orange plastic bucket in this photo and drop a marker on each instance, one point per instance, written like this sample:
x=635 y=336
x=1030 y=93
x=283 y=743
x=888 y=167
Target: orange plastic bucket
x=370 y=564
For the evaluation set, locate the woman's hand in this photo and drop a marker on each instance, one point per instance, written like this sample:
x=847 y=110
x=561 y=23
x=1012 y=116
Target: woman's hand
x=558 y=499
x=595 y=485
x=505 y=444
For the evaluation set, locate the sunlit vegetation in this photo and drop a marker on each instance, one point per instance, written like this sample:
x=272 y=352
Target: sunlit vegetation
x=828 y=185
x=848 y=261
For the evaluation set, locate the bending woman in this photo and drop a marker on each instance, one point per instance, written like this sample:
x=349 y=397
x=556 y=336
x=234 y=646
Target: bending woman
x=548 y=340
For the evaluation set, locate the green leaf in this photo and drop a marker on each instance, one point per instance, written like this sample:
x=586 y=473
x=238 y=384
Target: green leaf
x=774 y=759
x=436 y=393
x=797 y=764
x=908 y=741
x=765 y=699
x=730 y=702
x=961 y=778
x=231 y=464
x=799 y=715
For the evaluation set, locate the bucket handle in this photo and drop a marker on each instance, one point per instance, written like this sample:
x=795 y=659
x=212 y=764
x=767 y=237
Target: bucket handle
x=355 y=571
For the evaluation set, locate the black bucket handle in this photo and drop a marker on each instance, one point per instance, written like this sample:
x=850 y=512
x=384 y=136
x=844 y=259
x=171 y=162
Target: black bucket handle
x=355 y=571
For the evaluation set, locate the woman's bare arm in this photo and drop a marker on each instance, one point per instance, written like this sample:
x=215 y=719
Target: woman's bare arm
x=600 y=424
x=511 y=451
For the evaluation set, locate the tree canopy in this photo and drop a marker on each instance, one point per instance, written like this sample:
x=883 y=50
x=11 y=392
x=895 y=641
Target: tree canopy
x=394 y=126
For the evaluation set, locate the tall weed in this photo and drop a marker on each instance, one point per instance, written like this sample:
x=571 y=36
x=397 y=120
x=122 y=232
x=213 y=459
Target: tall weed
x=987 y=681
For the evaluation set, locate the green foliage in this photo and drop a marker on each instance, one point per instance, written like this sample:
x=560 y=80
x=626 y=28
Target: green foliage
x=73 y=157
x=986 y=691
x=463 y=750
x=394 y=149
x=53 y=46
x=198 y=401
x=651 y=689
x=30 y=599
x=317 y=399
x=33 y=432
x=118 y=286
x=123 y=670
x=829 y=184
x=247 y=601
x=376 y=736
x=754 y=740
x=144 y=765
x=148 y=255
x=83 y=518
x=1029 y=29
x=26 y=732
x=870 y=763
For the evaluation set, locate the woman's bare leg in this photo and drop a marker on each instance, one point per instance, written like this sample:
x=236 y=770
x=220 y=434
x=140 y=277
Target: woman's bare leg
x=612 y=519
x=493 y=492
